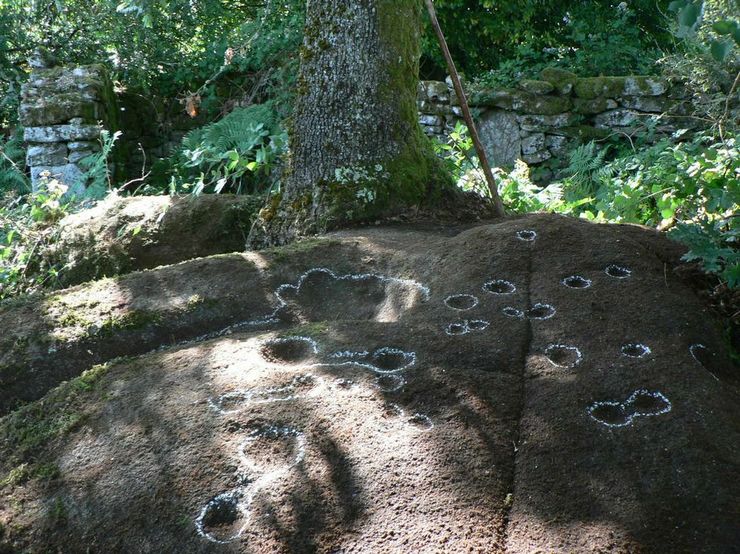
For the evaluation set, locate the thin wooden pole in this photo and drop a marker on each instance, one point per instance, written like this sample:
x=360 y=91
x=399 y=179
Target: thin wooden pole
x=498 y=206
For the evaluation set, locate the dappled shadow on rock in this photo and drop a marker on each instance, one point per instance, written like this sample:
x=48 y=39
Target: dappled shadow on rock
x=392 y=413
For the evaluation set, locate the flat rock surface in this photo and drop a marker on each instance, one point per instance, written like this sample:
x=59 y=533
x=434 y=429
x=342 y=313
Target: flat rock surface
x=541 y=384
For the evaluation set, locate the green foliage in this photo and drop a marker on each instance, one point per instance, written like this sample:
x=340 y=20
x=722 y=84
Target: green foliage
x=516 y=188
x=707 y=59
x=715 y=244
x=692 y=187
x=97 y=169
x=26 y=226
x=12 y=162
x=159 y=47
x=236 y=153
x=484 y=34
x=592 y=41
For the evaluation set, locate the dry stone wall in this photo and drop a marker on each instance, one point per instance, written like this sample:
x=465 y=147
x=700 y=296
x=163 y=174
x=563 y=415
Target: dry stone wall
x=63 y=111
x=541 y=121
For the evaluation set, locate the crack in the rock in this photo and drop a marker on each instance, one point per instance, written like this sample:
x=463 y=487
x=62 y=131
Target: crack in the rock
x=526 y=352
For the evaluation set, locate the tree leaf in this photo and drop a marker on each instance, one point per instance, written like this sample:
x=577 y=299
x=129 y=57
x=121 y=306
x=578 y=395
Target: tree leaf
x=724 y=27
x=689 y=16
x=720 y=49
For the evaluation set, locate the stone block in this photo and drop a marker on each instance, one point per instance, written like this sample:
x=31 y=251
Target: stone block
x=557 y=145
x=541 y=105
x=434 y=91
x=536 y=87
x=61 y=133
x=544 y=122
x=499 y=133
x=431 y=120
x=615 y=118
x=68 y=174
x=561 y=79
x=650 y=104
x=645 y=86
x=47 y=154
x=56 y=110
x=536 y=157
x=593 y=87
x=533 y=144
x=76 y=156
x=590 y=106
x=83 y=145
x=502 y=98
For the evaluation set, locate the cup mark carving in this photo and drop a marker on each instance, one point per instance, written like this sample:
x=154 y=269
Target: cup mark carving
x=641 y=403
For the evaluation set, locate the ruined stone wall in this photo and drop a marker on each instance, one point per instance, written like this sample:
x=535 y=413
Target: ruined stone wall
x=541 y=121
x=63 y=111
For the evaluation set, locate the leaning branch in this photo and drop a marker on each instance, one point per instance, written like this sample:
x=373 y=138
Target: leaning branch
x=497 y=204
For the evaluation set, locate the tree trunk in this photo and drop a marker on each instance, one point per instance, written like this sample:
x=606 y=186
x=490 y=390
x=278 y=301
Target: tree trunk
x=357 y=151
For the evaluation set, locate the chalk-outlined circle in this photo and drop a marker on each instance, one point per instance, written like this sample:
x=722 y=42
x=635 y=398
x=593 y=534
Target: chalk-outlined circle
x=289 y=350
x=560 y=354
x=577 y=282
x=526 y=235
x=228 y=505
x=461 y=302
x=635 y=350
x=389 y=382
x=509 y=311
x=541 y=311
x=499 y=287
x=618 y=271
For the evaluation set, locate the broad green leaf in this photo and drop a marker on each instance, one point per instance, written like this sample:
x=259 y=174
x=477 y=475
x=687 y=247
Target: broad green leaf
x=720 y=49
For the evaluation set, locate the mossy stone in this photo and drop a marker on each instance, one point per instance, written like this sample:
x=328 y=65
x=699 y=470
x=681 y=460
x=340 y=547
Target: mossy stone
x=561 y=79
x=541 y=105
x=536 y=87
x=590 y=105
x=502 y=98
x=593 y=87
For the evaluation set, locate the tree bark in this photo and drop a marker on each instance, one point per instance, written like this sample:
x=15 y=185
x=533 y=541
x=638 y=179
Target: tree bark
x=356 y=149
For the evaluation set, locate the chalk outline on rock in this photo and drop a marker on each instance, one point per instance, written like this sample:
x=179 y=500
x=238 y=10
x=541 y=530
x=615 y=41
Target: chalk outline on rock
x=646 y=351
x=272 y=317
x=619 y=268
x=499 y=282
x=465 y=325
x=455 y=296
x=579 y=355
x=524 y=233
x=588 y=282
x=539 y=305
x=630 y=417
x=243 y=495
x=693 y=347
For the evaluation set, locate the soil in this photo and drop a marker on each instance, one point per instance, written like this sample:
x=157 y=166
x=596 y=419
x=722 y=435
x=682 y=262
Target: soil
x=408 y=389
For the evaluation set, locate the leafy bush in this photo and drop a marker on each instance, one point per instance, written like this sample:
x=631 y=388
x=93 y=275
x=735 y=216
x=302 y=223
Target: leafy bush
x=716 y=245
x=12 y=163
x=484 y=34
x=236 y=153
x=592 y=41
x=691 y=188
x=26 y=226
